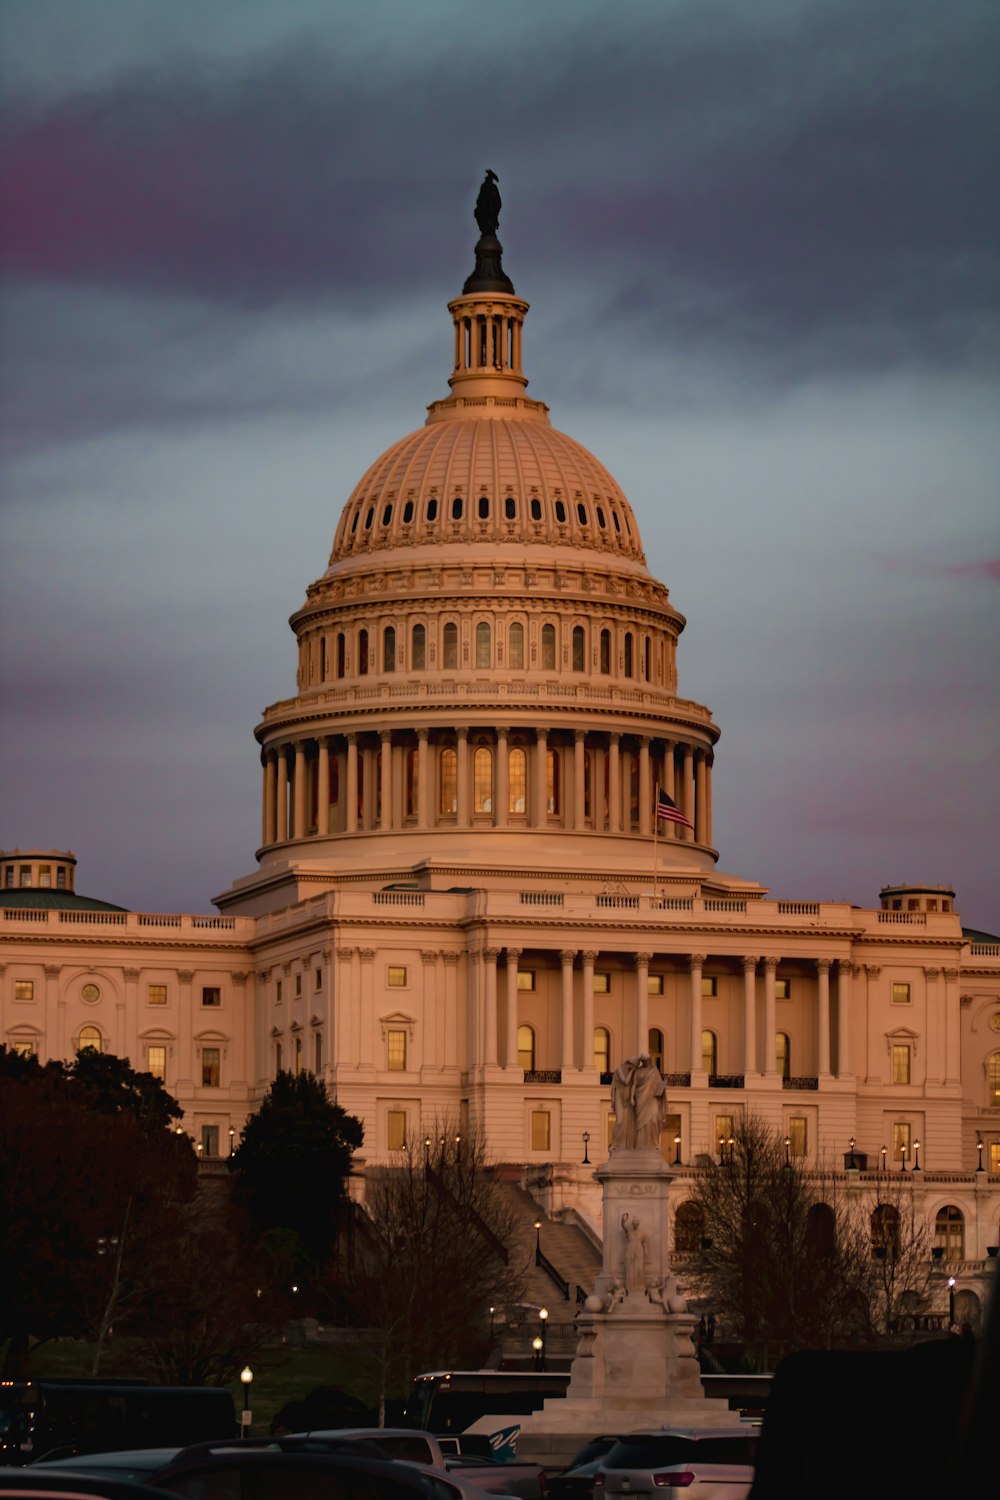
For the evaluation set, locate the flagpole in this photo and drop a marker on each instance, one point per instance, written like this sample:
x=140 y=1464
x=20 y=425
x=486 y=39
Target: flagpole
x=656 y=828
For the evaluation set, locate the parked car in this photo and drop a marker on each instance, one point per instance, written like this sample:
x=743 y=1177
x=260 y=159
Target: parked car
x=134 y=1464
x=285 y=1473
x=529 y=1481
x=711 y=1463
x=576 y=1482
x=37 y=1484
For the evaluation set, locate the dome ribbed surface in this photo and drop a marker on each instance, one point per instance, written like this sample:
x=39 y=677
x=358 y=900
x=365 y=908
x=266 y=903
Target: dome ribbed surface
x=483 y=478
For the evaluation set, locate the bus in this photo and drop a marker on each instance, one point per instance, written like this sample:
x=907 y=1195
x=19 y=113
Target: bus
x=476 y=1402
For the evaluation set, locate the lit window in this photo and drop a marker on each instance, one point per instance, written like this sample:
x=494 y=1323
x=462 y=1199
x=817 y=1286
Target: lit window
x=709 y=1052
x=783 y=1054
x=798 y=1136
x=515 y=646
x=579 y=649
x=26 y=1049
x=602 y=983
x=89 y=1037
x=689 y=1228
x=552 y=782
x=211 y=994
x=395 y=976
x=448 y=774
x=782 y=989
x=901 y=1134
x=602 y=1049
x=451 y=644
x=418 y=648
x=24 y=989
x=709 y=985
x=949 y=1232
x=317 y=979
x=396 y=1051
x=517 y=780
x=526 y=1048
x=548 y=647
x=526 y=979
x=654 y=1046
x=395 y=1130
x=482 y=644
x=995 y=1157
x=723 y=1128
x=45 y=875
x=482 y=780
x=156 y=994
x=901 y=994
x=654 y=984
x=210 y=1140
x=993 y=1080
x=156 y=1061
x=541 y=1130
x=900 y=1062
x=932 y=903
x=211 y=1067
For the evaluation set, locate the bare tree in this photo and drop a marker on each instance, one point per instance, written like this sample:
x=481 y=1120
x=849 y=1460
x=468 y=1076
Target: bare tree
x=895 y=1245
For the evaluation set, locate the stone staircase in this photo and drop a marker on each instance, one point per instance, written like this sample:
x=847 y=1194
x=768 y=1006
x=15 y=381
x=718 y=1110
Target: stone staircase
x=573 y=1255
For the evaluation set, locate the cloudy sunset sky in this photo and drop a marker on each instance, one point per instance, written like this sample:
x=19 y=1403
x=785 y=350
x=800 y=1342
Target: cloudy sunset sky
x=760 y=244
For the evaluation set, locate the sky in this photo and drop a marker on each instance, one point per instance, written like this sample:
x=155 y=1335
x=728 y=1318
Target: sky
x=760 y=244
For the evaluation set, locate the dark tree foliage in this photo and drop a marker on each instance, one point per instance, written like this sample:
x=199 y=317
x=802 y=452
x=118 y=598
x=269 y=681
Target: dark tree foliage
x=108 y=1085
x=293 y=1162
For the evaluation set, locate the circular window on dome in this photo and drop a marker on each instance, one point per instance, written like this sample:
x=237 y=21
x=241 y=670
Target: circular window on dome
x=91 y=993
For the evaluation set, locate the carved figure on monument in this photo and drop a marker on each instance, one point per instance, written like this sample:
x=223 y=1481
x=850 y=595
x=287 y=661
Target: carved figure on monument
x=639 y=1100
x=488 y=205
x=636 y=1242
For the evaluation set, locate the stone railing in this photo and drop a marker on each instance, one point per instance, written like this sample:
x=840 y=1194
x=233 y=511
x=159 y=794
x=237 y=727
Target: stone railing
x=725 y=1080
x=542 y=898
x=621 y=903
x=398 y=898
x=798 y=908
x=543 y=1075
x=800 y=1083
x=131 y=921
x=911 y=918
x=985 y=950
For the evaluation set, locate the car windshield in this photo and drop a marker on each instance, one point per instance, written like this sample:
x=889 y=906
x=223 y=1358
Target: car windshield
x=650 y=1451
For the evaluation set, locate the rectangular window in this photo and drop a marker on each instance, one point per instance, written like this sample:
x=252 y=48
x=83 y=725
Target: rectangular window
x=901 y=994
x=26 y=1049
x=24 y=989
x=25 y=875
x=782 y=989
x=318 y=1052
x=654 y=984
x=541 y=1130
x=298 y=1054
x=277 y=991
x=709 y=985
x=60 y=879
x=602 y=984
x=156 y=1061
x=8 y=876
x=526 y=979
x=395 y=1130
x=298 y=984
x=900 y=1062
x=670 y=1138
x=798 y=1135
x=210 y=1140
x=396 y=977
x=396 y=1051
x=723 y=1129
x=211 y=1067
x=317 y=979
x=45 y=875
x=900 y=1137
x=156 y=994
x=995 y=1157
x=211 y=994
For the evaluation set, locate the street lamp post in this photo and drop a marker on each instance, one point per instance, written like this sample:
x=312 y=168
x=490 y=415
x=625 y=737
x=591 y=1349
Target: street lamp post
x=586 y=1148
x=677 y=1151
x=851 y=1166
x=788 y=1147
x=538 y=1242
x=543 y=1321
x=979 y=1148
x=884 y=1154
x=232 y=1139
x=916 y=1156
x=246 y=1377
x=951 y=1301
x=902 y=1157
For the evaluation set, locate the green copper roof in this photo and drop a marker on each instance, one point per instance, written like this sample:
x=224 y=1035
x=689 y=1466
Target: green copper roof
x=53 y=900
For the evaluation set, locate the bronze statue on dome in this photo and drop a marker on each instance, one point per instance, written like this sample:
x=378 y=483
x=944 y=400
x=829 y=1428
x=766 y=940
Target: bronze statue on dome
x=488 y=205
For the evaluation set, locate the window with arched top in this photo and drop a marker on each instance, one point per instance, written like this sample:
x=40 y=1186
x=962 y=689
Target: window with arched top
x=602 y=1049
x=448 y=776
x=322 y=658
x=515 y=646
x=885 y=1230
x=89 y=1037
x=548 y=648
x=709 y=1052
x=517 y=780
x=629 y=663
x=482 y=780
x=526 y=1048
x=341 y=654
x=654 y=1046
x=605 y=651
x=552 y=782
x=363 y=653
x=389 y=649
x=411 y=783
x=418 y=648
x=949 y=1232
x=689 y=1228
x=579 y=649
x=993 y=1080
x=647 y=658
x=482 y=644
x=450 y=644
x=783 y=1055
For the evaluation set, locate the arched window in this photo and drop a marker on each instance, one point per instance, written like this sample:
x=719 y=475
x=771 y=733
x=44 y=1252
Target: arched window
x=605 y=651
x=418 y=648
x=451 y=644
x=411 y=780
x=647 y=658
x=515 y=646
x=363 y=653
x=548 y=647
x=709 y=1052
x=949 y=1232
x=993 y=1080
x=783 y=1055
x=482 y=644
x=448 y=800
x=602 y=1049
x=689 y=1228
x=654 y=1046
x=341 y=654
x=482 y=780
x=552 y=781
x=389 y=649
x=885 y=1230
x=526 y=1048
x=89 y=1037
x=517 y=780
x=579 y=649
x=628 y=653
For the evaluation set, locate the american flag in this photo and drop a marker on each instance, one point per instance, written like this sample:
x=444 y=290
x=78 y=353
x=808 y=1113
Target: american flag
x=665 y=808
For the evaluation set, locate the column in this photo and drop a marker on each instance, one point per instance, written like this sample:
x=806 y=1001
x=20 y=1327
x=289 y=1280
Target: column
x=697 y=1066
x=341 y=1045
x=502 y=780
x=750 y=1014
x=270 y=797
x=770 y=1018
x=451 y=1027
x=366 y=1002
x=937 y=1031
x=589 y=958
x=823 y=1015
x=351 y=806
x=579 y=771
x=615 y=784
x=490 y=1008
x=642 y=1002
x=710 y=762
x=845 y=973
x=299 y=790
x=687 y=792
x=700 y=771
x=385 y=774
x=281 y=829
x=670 y=830
x=464 y=815
x=510 y=1060
x=423 y=777
x=540 y=809
x=566 y=958
x=952 y=1025
x=645 y=789
x=323 y=790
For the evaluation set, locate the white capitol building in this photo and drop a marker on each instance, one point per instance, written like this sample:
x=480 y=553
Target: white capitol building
x=464 y=906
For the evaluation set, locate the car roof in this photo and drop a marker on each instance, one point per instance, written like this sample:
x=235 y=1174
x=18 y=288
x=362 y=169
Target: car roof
x=66 y=1485
x=124 y=1458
